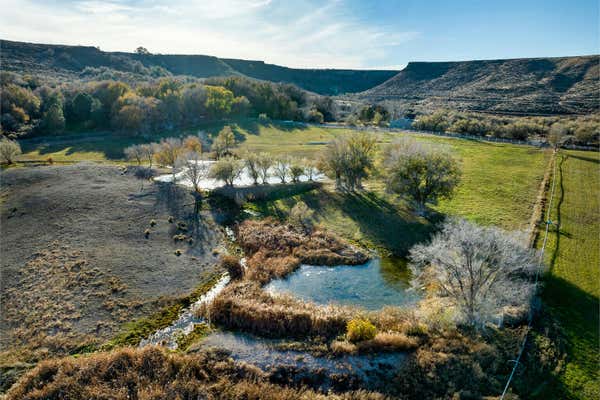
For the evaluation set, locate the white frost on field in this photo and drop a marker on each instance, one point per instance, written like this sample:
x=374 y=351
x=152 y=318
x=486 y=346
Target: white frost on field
x=243 y=180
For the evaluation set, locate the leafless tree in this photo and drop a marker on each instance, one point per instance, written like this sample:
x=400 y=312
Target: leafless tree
x=282 y=168
x=252 y=163
x=193 y=168
x=478 y=269
x=134 y=152
x=310 y=168
x=264 y=164
x=148 y=150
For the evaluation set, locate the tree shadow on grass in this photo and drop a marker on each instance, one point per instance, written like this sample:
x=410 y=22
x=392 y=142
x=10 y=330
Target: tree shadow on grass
x=577 y=313
x=385 y=223
x=381 y=222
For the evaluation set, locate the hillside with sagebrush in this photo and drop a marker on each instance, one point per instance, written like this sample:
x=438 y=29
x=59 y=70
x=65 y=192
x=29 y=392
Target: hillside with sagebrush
x=566 y=85
x=67 y=61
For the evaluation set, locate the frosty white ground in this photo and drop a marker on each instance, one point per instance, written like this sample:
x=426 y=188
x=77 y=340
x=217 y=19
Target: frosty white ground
x=243 y=180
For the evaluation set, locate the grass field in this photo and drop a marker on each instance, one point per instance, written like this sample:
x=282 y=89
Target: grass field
x=499 y=182
x=499 y=187
x=573 y=255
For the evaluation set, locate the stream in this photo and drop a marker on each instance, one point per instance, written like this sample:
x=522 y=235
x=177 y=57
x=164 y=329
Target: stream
x=187 y=320
x=372 y=285
x=370 y=371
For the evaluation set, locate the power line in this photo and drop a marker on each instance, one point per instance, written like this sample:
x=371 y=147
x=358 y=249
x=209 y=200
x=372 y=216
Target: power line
x=537 y=273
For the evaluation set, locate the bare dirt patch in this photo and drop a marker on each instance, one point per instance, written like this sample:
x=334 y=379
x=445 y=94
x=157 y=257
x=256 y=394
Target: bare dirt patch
x=85 y=249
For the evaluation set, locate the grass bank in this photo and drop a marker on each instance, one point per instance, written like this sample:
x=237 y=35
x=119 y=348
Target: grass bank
x=499 y=187
x=573 y=255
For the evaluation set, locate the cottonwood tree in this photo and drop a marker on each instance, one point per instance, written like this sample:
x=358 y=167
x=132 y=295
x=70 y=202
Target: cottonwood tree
x=478 y=269
x=224 y=142
x=226 y=169
x=193 y=143
x=9 y=149
x=264 y=164
x=193 y=168
x=282 y=168
x=348 y=159
x=422 y=173
x=169 y=150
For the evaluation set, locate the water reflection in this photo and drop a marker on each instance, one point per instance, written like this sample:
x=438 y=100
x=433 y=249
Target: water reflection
x=379 y=282
x=350 y=371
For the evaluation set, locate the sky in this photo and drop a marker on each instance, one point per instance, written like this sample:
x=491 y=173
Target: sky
x=358 y=34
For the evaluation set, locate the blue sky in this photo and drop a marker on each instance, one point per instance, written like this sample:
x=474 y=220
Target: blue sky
x=326 y=33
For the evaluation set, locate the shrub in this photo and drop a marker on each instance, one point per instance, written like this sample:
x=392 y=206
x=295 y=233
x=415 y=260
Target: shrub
x=170 y=219
x=179 y=237
x=147 y=233
x=262 y=267
x=341 y=347
x=152 y=222
x=359 y=330
x=9 y=149
x=389 y=341
x=232 y=265
x=178 y=252
x=301 y=216
x=246 y=306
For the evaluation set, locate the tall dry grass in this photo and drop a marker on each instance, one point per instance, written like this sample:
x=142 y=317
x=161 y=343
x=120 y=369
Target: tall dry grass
x=275 y=239
x=245 y=306
x=152 y=373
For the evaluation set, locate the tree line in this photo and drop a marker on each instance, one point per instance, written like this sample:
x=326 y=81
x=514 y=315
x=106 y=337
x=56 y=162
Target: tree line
x=580 y=130
x=31 y=106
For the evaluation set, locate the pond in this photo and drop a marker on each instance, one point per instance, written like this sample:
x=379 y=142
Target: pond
x=380 y=282
x=370 y=371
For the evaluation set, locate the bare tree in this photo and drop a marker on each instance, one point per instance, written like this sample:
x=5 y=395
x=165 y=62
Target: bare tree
x=9 y=149
x=310 y=168
x=423 y=173
x=479 y=269
x=282 y=168
x=193 y=168
x=252 y=162
x=148 y=151
x=134 y=152
x=264 y=163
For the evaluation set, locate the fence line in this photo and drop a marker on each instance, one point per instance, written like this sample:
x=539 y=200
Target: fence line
x=537 y=274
